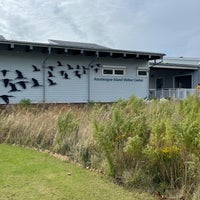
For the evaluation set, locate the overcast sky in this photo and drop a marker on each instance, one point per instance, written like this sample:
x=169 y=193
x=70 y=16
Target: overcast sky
x=164 y=26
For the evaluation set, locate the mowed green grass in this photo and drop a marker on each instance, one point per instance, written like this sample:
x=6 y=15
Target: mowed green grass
x=28 y=174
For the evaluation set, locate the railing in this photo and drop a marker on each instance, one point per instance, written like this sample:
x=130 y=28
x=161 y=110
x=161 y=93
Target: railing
x=178 y=93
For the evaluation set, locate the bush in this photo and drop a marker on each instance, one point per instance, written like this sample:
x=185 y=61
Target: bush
x=25 y=103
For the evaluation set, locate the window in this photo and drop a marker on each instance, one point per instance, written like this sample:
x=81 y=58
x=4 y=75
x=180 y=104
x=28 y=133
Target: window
x=114 y=71
x=142 y=73
x=108 y=71
x=119 y=72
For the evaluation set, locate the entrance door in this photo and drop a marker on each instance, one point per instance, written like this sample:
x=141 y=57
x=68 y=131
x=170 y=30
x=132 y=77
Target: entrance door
x=183 y=81
x=159 y=83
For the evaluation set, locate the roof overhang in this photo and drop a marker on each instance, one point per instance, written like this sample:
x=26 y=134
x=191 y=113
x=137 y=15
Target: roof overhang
x=176 y=66
x=70 y=50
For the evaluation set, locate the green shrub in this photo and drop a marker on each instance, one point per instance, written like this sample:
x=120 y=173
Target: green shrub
x=25 y=103
x=66 y=134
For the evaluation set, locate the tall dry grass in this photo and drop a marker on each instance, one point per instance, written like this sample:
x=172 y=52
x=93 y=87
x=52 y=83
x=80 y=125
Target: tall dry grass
x=37 y=126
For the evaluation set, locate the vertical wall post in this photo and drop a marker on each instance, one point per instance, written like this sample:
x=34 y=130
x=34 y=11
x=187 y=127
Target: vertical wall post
x=43 y=75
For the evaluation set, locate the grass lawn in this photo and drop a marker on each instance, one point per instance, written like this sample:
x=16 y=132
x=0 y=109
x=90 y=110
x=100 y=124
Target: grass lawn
x=28 y=174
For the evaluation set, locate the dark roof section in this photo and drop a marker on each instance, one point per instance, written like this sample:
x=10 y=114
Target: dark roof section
x=77 y=44
x=72 y=48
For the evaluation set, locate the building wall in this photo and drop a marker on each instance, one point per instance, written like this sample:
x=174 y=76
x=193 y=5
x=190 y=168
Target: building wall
x=83 y=83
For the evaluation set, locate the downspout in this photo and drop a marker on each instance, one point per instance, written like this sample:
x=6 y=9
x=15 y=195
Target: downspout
x=43 y=75
x=93 y=59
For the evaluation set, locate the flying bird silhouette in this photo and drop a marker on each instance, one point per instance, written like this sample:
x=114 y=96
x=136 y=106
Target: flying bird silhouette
x=5 y=98
x=59 y=63
x=96 y=70
x=70 y=67
x=13 y=88
x=4 y=72
x=19 y=75
x=77 y=74
x=51 y=67
x=84 y=68
x=6 y=81
x=62 y=72
x=77 y=66
x=98 y=65
x=22 y=84
x=35 y=83
x=51 y=83
x=35 y=69
x=66 y=76
x=50 y=74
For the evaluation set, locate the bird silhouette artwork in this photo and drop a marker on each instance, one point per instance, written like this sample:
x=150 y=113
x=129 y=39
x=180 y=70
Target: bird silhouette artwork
x=5 y=98
x=51 y=83
x=4 y=72
x=6 y=81
x=50 y=74
x=98 y=65
x=22 y=84
x=13 y=88
x=35 y=83
x=59 y=64
x=19 y=75
x=62 y=72
x=96 y=70
x=51 y=67
x=69 y=67
x=77 y=74
x=77 y=66
x=35 y=69
x=66 y=76
x=84 y=69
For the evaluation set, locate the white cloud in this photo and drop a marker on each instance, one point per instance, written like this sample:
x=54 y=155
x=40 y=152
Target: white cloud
x=164 y=26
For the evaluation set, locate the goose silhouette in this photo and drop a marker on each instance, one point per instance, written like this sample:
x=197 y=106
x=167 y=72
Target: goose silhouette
x=4 y=72
x=6 y=81
x=77 y=67
x=19 y=75
x=22 y=84
x=13 y=88
x=5 y=98
x=66 y=76
x=84 y=68
x=50 y=74
x=62 y=72
x=96 y=70
x=51 y=67
x=51 y=83
x=69 y=67
x=59 y=63
x=35 y=83
x=77 y=74
x=35 y=69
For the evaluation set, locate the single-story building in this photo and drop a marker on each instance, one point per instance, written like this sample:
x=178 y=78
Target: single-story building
x=174 y=77
x=71 y=72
